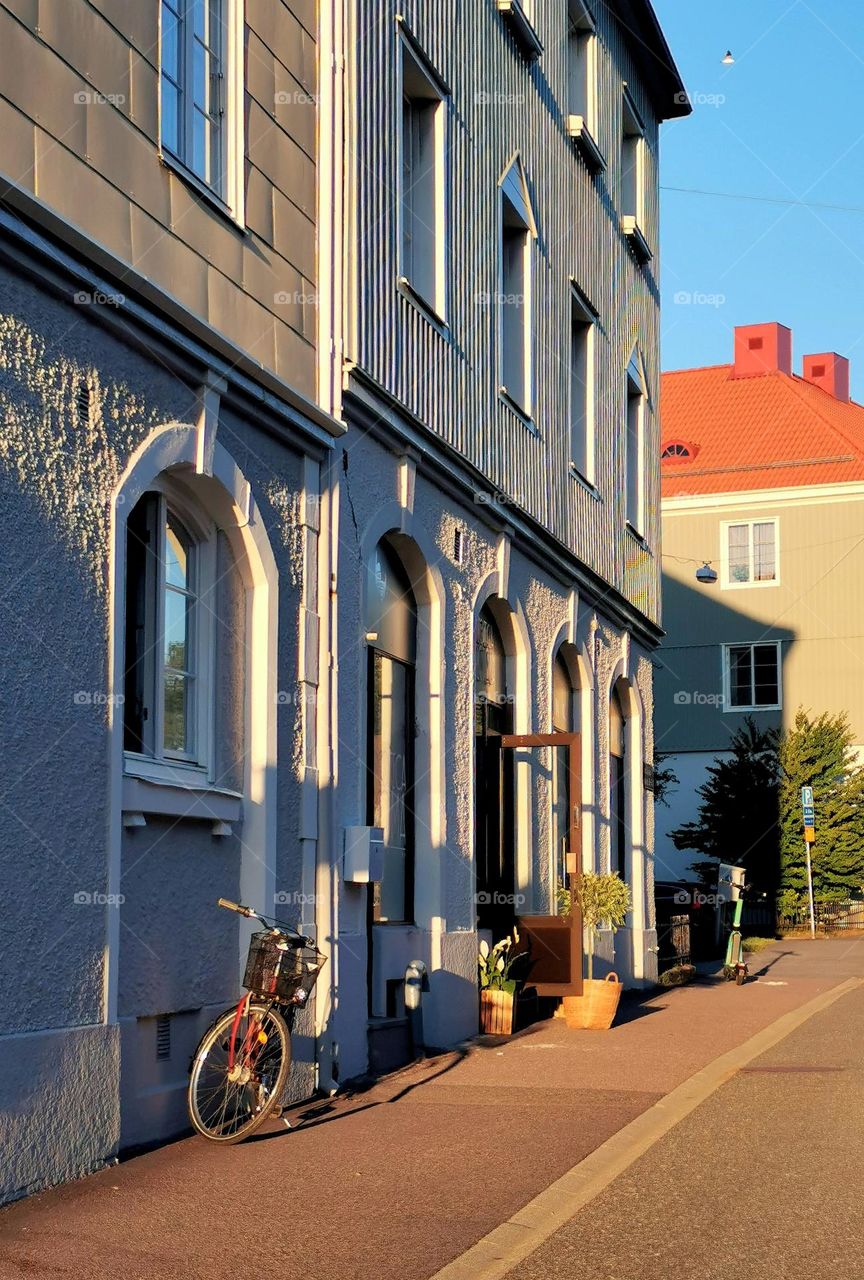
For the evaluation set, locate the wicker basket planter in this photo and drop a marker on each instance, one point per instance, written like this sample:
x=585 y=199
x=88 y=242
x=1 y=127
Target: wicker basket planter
x=595 y=1009
x=496 y=1012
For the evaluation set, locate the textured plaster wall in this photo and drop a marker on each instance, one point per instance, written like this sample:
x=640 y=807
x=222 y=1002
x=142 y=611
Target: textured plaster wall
x=61 y=460
x=370 y=484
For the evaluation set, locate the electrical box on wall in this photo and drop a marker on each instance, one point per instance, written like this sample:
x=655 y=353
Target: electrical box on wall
x=363 y=860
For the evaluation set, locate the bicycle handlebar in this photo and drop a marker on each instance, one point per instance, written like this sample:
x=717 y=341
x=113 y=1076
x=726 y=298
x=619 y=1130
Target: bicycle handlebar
x=281 y=925
x=235 y=906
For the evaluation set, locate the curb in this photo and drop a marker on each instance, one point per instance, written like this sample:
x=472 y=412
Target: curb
x=495 y=1255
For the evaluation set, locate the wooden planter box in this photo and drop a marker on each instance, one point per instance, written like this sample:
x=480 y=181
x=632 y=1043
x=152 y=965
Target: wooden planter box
x=496 y=1012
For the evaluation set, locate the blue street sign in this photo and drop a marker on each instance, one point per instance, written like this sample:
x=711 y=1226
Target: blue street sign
x=807 y=797
x=809 y=817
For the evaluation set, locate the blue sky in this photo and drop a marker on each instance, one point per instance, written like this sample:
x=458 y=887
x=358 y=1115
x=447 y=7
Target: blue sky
x=785 y=121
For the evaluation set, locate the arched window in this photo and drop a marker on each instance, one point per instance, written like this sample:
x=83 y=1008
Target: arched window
x=565 y=719
x=617 y=782
x=167 y=694
x=392 y=619
x=677 y=451
x=494 y=783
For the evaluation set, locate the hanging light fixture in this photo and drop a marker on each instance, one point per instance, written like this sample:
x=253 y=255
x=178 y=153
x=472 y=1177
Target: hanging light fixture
x=727 y=58
x=706 y=574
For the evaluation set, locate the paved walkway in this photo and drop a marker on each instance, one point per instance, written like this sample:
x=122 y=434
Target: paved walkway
x=399 y=1181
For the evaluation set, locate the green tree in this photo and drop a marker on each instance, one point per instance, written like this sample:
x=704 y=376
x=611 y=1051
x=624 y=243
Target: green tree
x=818 y=752
x=737 y=819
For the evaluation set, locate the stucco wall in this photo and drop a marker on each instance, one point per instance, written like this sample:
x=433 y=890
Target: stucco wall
x=445 y=937
x=60 y=466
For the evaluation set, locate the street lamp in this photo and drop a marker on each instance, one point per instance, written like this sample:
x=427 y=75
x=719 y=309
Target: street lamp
x=706 y=575
x=727 y=58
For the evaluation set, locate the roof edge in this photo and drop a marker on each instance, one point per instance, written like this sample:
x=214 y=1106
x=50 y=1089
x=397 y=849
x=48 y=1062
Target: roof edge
x=647 y=43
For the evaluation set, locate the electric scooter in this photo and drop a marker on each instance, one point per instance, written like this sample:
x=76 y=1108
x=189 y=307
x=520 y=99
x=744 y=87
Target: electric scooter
x=736 y=967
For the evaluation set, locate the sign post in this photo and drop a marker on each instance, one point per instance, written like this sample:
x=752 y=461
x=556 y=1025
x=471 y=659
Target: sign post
x=809 y=814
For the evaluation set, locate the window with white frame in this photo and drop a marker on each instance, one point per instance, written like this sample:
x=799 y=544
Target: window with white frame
x=634 y=446
x=422 y=253
x=201 y=93
x=167 y=695
x=582 y=89
x=582 y=326
x=632 y=168
x=750 y=553
x=751 y=676
x=515 y=294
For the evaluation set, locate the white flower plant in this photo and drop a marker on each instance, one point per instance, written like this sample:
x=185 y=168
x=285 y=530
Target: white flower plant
x=496 y=962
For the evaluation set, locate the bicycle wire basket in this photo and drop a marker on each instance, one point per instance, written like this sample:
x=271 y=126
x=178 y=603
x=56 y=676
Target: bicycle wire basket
x=278 y=969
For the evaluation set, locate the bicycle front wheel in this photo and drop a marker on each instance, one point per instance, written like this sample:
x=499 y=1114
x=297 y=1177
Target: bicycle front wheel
x=231 y=1095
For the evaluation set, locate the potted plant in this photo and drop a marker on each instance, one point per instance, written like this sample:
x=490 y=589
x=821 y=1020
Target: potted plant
x=497 y=986
x=603 y=899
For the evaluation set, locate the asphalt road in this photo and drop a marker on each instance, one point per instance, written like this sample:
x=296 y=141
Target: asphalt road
x=395 y=1183
x=762 y=1182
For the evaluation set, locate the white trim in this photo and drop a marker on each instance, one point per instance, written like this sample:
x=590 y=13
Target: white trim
x=438 y=95
x=227 y=496
x=725 y=526
x=852 y=491
x=582 y=311
x=728 y=709
x=513 y=187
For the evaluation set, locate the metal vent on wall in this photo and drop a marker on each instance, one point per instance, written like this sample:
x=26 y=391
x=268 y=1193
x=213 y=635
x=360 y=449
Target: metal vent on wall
x=458 y=544
x=163 y=1036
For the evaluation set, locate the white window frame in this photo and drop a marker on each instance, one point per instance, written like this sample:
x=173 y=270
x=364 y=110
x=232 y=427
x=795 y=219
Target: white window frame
x=728 y=709
x=434 y=94
x=583 y=98
x=229 y=191
x=584 y=315
x=156 y=764
x=514 y=212
x=726 y=582
x=634 y=382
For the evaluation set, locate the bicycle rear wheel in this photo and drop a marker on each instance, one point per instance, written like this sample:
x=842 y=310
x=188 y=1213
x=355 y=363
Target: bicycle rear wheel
x=227 y=1105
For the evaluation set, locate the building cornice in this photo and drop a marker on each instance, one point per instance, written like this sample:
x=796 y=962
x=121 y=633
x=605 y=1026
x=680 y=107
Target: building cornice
x=653 y=57
x=38 y=242
x=383 y=418
x=803 y=495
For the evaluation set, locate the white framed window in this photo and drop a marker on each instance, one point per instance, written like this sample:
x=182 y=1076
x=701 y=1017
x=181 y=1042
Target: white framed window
x=634 y=446
x=633 y=179
x=750 y=553
x=583 y=319
x=201 y=94
x=752 y=678
x=170 y=578
x=422 y=195
x=516 y=229
x=582 y=83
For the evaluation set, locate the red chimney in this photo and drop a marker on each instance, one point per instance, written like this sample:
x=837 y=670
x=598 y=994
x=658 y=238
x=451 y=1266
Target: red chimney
x=830 y=372
x=762 y=348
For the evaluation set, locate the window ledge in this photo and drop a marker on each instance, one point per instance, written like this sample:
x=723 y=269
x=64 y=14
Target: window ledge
x=515 y=407
x=583 y=138
x=635 y=238
x=526 y=36
x=170 y=795
x=200 y=188
x=585 y=484
x=410 y=294
x=638 y=537
x=748 y=711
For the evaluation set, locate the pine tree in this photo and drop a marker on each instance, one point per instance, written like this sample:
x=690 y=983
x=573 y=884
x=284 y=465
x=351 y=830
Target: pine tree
x=819 y=753
x=737 y=820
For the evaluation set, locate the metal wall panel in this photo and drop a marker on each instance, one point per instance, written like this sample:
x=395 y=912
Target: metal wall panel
x=501 y=104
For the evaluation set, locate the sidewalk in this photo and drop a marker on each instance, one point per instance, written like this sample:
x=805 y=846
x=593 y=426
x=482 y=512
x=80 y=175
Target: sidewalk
x=396 y=1182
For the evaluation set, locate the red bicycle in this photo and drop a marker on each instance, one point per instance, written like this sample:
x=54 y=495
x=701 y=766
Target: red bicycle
x=240 y=1067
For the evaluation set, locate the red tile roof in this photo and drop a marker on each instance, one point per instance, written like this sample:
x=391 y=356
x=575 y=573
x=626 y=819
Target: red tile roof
x=774 y=431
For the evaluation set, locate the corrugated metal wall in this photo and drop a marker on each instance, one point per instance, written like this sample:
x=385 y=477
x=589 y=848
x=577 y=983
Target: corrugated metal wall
x=501 y=104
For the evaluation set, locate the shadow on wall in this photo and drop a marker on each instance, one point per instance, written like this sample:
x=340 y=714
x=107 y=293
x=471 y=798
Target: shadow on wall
x=693 y=721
